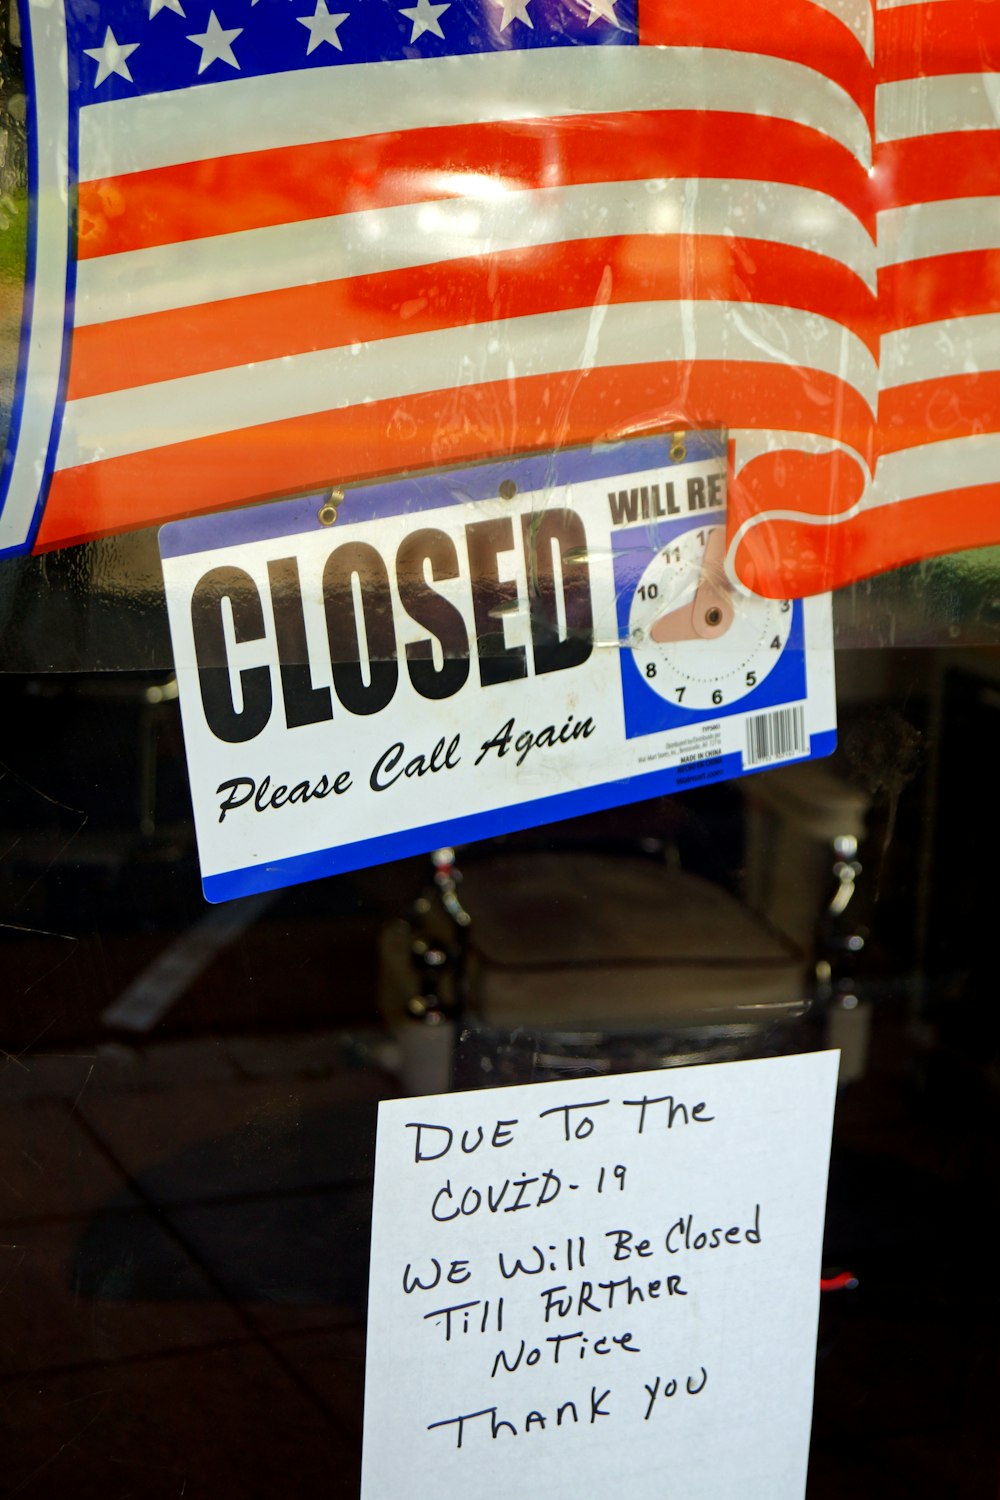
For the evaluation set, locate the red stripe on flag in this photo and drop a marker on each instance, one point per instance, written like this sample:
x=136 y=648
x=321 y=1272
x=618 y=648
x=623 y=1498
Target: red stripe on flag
x=810 y=484
x=547 y=278
x=257 y=189
x=933 y=168
x=438 y=428
x=783 y=559
x=940 y=286
x=801 y=32
x=931 y=411
x=937 y=38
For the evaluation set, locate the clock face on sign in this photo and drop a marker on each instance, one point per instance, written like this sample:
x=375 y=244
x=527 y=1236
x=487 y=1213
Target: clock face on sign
x=695 y=642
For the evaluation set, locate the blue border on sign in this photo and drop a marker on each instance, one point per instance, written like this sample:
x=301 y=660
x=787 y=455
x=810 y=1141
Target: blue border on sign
x=367 y=502
x=340 y=859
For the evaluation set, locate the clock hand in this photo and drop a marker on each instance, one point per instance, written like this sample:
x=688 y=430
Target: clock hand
x=675 y=625
x=710 y=612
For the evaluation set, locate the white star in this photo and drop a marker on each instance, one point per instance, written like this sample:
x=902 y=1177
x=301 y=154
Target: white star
x=214 y=43
x=155 y=6
x=514 y=10
x=111 y=57
x=323 y=27
x=603 y=10
x=424 y=16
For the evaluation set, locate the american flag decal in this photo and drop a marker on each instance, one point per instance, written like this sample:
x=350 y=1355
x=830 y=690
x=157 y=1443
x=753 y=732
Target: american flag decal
x=277 y=245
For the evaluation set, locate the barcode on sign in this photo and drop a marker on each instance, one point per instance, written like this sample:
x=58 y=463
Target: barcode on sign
x=776 y=736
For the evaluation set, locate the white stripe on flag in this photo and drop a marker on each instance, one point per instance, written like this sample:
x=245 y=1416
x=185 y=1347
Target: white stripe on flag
x=413 y=234
x=899 y=4
x=931 y=468
x=293 y=109
x=923 y=230
x=856 y=15
x=933 y=106
x=911 y=474
x=933 y=351
x=146 y=417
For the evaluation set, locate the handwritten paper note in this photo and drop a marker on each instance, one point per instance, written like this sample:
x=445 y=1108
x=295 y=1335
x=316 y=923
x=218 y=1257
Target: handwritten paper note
x=599 y=1287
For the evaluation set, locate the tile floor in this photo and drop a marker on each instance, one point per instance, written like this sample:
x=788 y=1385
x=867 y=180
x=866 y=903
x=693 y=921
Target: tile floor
x=183 y=1269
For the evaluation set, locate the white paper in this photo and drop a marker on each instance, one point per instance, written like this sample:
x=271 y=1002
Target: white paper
x=660 y=1337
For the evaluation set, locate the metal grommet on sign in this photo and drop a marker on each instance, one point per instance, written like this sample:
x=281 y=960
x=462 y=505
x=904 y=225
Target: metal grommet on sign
x=678 y=448
x=327 y=513
x=507 y=489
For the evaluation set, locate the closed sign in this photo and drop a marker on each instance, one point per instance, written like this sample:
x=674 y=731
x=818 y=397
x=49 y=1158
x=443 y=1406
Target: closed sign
x=437 y=660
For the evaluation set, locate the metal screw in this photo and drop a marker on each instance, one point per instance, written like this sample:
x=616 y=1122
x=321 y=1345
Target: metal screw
x=327 y=513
